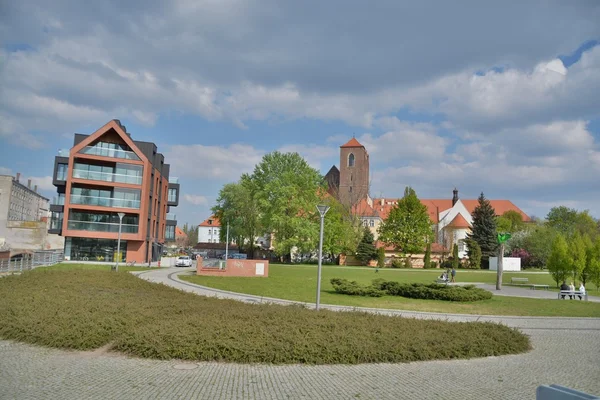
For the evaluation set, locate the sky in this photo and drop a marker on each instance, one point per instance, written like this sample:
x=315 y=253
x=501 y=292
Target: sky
x=494 y=97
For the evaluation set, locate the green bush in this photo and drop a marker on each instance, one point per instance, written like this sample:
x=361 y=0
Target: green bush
x=407 y=263
x=432 y=264
x=433 y=291
x=354 y=288
x=381 y=257
x=397 y=263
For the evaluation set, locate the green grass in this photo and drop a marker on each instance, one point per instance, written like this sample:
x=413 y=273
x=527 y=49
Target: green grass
x=299 y=283
x=94 y=267
x=83 y=308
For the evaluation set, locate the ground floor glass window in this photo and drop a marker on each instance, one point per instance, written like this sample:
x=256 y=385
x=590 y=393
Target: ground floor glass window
x=91 y=249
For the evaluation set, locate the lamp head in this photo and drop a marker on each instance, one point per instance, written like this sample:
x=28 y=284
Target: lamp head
x=121 y=215
x=322 y=209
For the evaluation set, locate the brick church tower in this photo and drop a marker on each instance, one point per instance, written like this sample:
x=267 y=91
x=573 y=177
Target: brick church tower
x=354 y=173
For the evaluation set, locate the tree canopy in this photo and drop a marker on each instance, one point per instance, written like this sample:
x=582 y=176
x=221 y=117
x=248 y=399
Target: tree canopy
x=559 y=262
x=484 y=230
x=407 y=227
x=511 y=221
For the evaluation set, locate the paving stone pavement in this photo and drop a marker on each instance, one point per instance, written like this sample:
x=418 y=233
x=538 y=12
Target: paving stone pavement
x=565 y=351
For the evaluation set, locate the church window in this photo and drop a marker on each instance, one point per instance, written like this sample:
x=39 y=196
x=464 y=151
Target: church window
x=351 y=160
x=372 y=223
x=350 y=189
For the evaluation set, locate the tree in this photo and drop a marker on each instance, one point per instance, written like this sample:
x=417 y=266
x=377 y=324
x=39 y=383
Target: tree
x=427 y=257
x=455 y=258
x=381 y=257
x=594 y=266
x=237 y=205
x=538 y=243
x=511 y=221
x=341 y=229
x=568 y=221
x=484 y=228
x=287 y=192
x=577 y=255
x=559 y=262
x=475 y=258
x=407 y=227
x=366 y=250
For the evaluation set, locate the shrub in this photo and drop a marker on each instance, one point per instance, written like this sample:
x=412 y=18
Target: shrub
x=474 y=254
x=407 y=263
x=433 y=264
x=353 y=288
x=455 y=259
x=433 y=291
x=446 y=264
x=397 y=263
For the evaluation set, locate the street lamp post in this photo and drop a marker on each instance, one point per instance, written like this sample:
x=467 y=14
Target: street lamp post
x=121 y=215
x=322 y=210
x=227 y=244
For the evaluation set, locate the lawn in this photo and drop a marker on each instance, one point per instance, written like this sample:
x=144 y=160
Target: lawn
x=88 y=307
x=299 y=283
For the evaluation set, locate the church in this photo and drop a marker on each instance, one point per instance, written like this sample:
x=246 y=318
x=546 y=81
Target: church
x=451 y=217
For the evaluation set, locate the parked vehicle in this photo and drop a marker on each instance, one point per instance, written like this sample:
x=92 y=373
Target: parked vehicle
x=183 y=261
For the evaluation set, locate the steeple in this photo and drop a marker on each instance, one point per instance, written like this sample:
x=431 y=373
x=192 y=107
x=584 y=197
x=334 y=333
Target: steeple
x=454 y=197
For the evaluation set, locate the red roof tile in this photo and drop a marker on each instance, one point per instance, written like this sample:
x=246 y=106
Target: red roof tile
x=459 y=222
x=353 y=143
x=179 y=232
x=214 y=221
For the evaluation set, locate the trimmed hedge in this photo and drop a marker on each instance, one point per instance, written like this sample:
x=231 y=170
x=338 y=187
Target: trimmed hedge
x=354 y=288
x=432 y=291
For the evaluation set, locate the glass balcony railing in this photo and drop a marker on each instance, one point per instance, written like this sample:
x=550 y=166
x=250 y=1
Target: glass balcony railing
x=102 y=227
x=63 y=152
x=171 y=217
x=58 y=200
x=104 y=201
x=107 y=177
x=173 y=180
x=107 y=152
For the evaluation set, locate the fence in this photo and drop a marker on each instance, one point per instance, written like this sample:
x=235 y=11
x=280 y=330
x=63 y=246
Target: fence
x=30 y=261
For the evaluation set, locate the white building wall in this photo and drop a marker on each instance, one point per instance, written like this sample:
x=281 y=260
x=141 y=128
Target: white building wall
x=209 y=234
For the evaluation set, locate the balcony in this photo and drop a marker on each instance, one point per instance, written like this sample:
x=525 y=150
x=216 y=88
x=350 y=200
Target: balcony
x=63 y=152
x=58 y=200
x=173 y=180
x=108 y=152
x=104 y=201
x=102 y=227
x=107 y=177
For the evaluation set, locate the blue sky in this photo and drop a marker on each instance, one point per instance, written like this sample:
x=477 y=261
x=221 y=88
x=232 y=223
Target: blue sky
x=499 y=98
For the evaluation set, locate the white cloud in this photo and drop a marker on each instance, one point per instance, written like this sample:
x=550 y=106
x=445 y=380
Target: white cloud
x=213 y=162
x=196 y=199
x=5 y=171
x=315 y=155
x=42 y=182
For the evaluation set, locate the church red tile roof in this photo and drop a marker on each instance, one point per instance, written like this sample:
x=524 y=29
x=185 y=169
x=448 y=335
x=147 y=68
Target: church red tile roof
x=353 y=143
x=382 y=207
x=459 y=222
x=179 y=232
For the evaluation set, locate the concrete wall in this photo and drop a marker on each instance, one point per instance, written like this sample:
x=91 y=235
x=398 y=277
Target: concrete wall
x=245 y=268
x=509 y=264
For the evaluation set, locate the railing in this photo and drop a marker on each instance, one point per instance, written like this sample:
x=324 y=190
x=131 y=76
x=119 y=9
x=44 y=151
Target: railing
x=173 y=180
x=171 y=217
x=58 y=201
x=31 y=261
x=102 y=227
x=107 y=177
x=104 y=201
x=63 y=152
x=172 y=198
x=106 y=152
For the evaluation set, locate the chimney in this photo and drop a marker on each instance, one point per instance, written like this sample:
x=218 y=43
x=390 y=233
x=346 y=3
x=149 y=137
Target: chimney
x=382 y=201
x=18 y=176
x=35 y=188
x=454 y=197
x=28 y=183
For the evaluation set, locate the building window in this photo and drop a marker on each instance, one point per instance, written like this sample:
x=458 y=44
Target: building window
x=372 y=223
x=92 y=249
x=351 y=160
x=172 y=195
x=365 y=222
x=350 y=189
x=170 y=232
x=61 y=172
x=461 y=246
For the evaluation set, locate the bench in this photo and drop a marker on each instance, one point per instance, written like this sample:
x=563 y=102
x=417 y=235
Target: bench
x=533 y=287
x=572 y=293
x=519 y=280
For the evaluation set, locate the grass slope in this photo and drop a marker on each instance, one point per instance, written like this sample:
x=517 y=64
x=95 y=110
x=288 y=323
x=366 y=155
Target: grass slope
x=87 y=308
x=299 y=283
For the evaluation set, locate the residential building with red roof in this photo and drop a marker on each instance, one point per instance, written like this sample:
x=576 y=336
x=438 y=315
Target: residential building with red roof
x=209 y=230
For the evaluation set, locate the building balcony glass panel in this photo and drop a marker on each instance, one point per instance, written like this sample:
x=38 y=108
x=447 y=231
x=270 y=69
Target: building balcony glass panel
x=171 y=217
x=107 y=177
x=59 y=200
x=104 y=201
x=100 y=150
x=173 y=180
x=63 y=152
x=102 y=227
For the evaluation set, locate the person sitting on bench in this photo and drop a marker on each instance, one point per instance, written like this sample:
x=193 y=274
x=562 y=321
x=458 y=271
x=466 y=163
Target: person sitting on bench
x=582 y=290
x=565 y=287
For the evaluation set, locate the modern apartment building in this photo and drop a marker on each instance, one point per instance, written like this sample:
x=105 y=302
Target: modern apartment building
x=102 y=175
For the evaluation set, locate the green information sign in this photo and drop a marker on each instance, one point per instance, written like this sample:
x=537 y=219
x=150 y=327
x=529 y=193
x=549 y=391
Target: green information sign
x=503 y=237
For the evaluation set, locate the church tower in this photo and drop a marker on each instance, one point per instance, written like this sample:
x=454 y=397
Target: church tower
x=354 y=173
